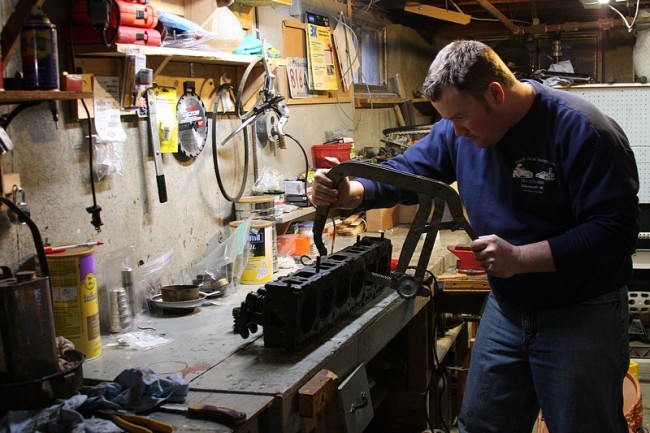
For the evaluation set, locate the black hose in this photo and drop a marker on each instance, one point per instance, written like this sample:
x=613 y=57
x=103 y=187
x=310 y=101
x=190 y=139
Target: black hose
x=36 y=234
x=215 y=156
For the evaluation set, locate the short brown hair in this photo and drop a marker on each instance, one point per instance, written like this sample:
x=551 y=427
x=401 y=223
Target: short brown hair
x=469 y=66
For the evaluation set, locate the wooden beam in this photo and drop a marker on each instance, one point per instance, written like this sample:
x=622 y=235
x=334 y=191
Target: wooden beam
x=437 y=13
x=498 y=15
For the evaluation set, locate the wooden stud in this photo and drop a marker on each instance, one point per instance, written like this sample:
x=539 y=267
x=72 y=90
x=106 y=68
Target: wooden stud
x=317 y=393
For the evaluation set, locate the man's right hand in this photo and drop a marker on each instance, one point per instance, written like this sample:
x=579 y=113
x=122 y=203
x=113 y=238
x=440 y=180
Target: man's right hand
x=348 y=194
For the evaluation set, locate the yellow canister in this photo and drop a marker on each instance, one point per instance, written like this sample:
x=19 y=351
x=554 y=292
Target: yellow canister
x=74 y=299
x=259 y=267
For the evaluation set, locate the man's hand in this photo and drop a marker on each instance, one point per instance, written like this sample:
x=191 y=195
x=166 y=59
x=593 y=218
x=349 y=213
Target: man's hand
x=348 y=194
x=501 y=259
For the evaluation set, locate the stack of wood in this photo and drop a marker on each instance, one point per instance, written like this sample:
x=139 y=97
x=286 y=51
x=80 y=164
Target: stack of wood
x=352 y=225
x=461 y=282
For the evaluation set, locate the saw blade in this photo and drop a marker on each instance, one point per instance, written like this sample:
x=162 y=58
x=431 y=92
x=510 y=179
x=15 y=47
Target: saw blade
x=192 y=124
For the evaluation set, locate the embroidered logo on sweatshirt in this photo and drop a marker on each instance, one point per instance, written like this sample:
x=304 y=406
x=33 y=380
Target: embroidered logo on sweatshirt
x=533 y=173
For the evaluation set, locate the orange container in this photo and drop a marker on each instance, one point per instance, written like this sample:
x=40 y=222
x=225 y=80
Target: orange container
x=341 y=151
x=293 y=245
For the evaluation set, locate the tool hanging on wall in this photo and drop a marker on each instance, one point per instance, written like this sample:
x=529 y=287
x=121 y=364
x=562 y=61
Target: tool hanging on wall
x=268 y=102
x=192 y=123
x=155 y=144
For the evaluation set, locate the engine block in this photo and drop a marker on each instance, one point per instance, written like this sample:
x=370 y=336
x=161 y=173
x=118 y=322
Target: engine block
x=296 y=309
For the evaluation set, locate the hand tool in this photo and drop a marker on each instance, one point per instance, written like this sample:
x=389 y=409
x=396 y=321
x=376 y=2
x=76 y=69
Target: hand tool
x=430 y=192
x=155 y=145
x=222 y=415
x=134 y=423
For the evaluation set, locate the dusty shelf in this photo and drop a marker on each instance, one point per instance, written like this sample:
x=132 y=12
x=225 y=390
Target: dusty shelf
x=18 y=96
x=177 y=54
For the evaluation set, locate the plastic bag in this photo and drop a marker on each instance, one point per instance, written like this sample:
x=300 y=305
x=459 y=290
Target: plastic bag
x=121 y=297
x=108 y=159
x=226 y=259
x=181 y=32
x=152 y=273
x=227 y=30
x=269 y=182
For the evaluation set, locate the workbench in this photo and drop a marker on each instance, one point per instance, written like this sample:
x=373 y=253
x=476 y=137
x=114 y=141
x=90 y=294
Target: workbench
x=223 y=369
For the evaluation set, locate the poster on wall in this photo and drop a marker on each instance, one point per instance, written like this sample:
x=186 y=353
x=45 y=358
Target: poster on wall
x=320 y=58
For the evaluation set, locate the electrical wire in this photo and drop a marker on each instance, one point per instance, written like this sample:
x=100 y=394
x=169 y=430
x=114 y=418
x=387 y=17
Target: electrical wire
x=438 y=370
x=628 y=25
x=94 y=209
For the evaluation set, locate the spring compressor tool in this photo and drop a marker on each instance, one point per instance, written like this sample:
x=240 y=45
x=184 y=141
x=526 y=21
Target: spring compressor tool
x=429 y=191
x=298 y=308
x=155 y=145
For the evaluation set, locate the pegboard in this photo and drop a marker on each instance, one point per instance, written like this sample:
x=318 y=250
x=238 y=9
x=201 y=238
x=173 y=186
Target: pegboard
x=629 y=105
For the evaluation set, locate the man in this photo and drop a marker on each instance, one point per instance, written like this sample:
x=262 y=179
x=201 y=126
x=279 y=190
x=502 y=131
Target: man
x=550 y=186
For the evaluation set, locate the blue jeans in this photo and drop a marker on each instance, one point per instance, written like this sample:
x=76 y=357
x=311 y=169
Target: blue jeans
x=569 y=361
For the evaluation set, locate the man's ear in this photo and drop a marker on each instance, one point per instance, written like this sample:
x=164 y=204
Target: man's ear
x=495 y=93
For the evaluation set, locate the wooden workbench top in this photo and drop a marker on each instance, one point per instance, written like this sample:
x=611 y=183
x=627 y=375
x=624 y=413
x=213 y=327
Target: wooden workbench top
x=218 y=363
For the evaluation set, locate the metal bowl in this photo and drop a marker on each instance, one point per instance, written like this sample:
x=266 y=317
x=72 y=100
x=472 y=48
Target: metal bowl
x=180 y=292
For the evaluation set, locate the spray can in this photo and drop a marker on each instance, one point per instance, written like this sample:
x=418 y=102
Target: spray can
x=39 y=53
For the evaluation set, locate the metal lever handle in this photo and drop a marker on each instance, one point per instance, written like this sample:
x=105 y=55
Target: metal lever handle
x=359 y=403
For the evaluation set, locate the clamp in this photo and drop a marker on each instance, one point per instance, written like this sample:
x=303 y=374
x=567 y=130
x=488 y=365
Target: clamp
x=407 y=280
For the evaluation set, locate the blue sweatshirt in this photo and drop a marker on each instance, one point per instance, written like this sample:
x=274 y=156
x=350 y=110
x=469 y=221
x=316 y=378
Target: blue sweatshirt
x=565 y=173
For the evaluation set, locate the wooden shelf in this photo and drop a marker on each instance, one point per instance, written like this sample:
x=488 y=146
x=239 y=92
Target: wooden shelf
x=18 y=96
x=298 y=213
x=368 y=101
x=176 y=54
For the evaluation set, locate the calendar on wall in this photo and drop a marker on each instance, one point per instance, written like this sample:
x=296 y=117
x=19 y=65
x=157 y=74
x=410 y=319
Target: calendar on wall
x=629 y=105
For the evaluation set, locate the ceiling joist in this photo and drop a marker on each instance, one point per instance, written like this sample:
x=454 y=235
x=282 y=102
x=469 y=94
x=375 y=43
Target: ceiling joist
x=437 y=13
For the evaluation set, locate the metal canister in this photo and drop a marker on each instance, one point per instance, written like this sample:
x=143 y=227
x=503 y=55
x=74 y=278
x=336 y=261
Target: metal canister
x=259 y=267
x=39 y=52
x=260 y=207
x=74 y=299
x=27 y=340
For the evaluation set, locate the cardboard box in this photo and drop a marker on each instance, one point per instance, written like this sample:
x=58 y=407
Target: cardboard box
x=382 y=219
x=407 y=213
x=295 y=187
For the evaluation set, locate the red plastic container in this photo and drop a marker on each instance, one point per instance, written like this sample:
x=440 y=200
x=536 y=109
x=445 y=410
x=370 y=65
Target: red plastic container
x=341 y=151
x=131 y=14
x=467 y=263
x=125 y=35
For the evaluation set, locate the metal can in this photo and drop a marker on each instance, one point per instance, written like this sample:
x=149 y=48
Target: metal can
x=74 y=299
x=39 y=52
x=259 y=267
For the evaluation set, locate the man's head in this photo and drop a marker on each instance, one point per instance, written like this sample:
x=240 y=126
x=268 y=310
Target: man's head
x=469 y=66
x=470 y=85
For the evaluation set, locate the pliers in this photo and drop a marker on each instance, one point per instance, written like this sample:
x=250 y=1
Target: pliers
x=134 y=423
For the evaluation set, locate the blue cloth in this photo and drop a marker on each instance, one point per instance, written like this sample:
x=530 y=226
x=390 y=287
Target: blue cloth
x=62 y=417
x=134 y=389
x=565 y=173
x=139 y=390
x=574 y=357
